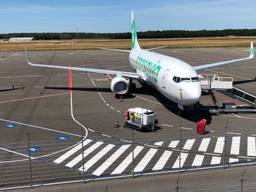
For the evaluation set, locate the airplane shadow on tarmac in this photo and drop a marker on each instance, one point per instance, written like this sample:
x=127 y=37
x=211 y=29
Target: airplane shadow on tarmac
x=192 y=114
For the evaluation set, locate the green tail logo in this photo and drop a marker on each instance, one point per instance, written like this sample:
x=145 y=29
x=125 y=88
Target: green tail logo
x=251 y=51
x=133 y=33
x=135 y=44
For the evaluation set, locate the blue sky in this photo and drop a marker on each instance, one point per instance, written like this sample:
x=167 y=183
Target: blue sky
x=114 y=15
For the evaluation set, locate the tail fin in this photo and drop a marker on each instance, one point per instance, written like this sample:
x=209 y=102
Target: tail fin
x=135 y=44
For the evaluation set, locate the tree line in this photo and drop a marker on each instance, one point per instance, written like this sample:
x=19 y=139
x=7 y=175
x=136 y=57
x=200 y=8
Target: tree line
x=146 y=34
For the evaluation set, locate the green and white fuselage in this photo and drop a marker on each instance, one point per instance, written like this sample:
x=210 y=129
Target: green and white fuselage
x=160 y=71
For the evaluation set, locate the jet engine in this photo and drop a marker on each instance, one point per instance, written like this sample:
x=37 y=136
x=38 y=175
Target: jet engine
x=120 y=85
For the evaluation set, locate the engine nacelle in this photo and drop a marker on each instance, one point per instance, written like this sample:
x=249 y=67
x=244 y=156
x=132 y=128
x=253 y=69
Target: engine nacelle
x=120 y=85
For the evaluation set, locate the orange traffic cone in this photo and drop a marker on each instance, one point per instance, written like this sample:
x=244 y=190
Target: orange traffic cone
x=116 y=125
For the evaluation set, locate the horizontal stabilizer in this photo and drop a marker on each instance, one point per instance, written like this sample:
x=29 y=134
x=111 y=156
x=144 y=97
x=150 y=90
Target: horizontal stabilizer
x=117 y=50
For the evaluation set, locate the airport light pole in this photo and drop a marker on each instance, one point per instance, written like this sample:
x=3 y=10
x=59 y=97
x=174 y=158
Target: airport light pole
x=177 y=184
x=82 y=142
x=180 y=125
x=242 y=180
x=29 y=159
x=180 y=148
x=225 y=144
x=133 y=153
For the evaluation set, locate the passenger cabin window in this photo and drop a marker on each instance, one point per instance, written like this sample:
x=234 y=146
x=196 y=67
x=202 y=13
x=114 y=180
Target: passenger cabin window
x=195 y=79
x=185 y=79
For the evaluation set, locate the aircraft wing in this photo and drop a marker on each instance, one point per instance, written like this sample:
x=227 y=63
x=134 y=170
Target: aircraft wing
x=91 y=70
x=221 y=63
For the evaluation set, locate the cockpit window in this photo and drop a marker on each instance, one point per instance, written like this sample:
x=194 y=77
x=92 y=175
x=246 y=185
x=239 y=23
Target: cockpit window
x=185 y=79
x=176 y=79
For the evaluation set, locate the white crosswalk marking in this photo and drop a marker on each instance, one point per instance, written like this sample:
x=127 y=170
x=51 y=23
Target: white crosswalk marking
x=146 y=159
x=165 y=156
x=251 y=149
x=162 y=161
x=96 y=158
x=204 y=144
x=119 y=161
x=180 y=160
x=198 y=160
x=235 y=145
x=71 y=152
x=78 y=158
x=233 y=160
x=159 y=143
x=143 y=163
x=126 y=162
x=215 y=160
x=110 y=160
x=219 y=145
x=174 y=144
x=189 y=143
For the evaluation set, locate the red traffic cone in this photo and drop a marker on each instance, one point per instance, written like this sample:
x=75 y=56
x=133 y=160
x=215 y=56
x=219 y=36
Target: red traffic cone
x=116 y=125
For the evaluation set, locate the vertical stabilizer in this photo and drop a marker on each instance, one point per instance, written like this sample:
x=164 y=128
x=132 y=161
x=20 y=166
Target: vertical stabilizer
x=135 y=44
x=251 y=51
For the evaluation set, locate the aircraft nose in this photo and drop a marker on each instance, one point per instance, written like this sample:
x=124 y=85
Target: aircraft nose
x=191 y=94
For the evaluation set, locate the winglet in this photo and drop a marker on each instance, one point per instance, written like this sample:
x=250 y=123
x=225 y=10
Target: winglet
x=251 y=51
x=27 y=57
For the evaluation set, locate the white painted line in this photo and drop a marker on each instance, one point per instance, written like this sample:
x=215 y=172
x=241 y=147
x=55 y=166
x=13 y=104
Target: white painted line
x=32 y=98
x=187 y=128
x=20 y=76
x=38 y=127
x=106 y=135
x=198 y=160
x=71 y=152
x=96 y=158
x=15 y=152
x=142 y=98
x=145 y=160
x=162 y=161
x=233 y=160
x=189 y=144
x=235 y=146
x=78 y=158
x=173 y=144
x=215 y=160
x=124 y=140
x=104 y=166
x=234 y=133
x=126 y=162
x=204 y=144
x=251 y=148
x=219 y=145
x=166 y=125
x=180 y=160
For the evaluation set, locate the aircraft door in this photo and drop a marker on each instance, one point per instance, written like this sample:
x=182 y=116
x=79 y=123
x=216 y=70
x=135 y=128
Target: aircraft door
x=164 y=78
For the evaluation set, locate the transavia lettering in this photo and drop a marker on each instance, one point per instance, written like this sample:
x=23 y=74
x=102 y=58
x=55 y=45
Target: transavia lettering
x=149 y=68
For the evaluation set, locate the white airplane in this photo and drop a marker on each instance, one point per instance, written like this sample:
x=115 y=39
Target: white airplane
x=175 y=79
